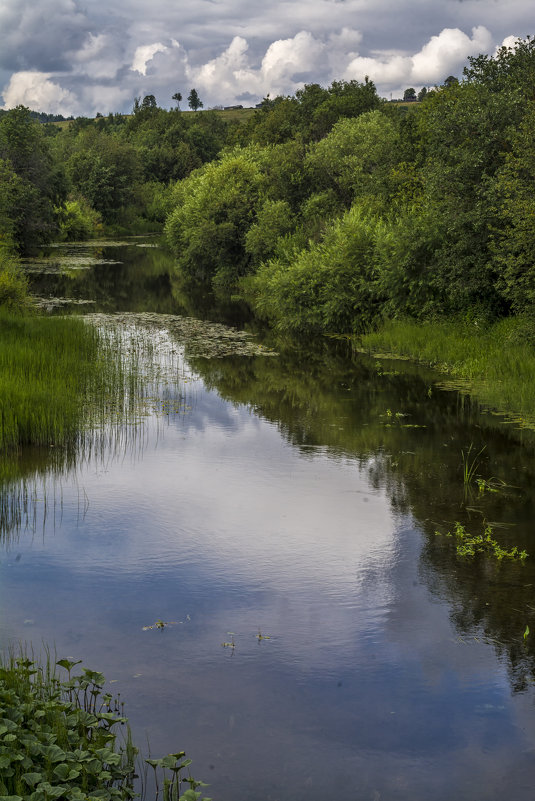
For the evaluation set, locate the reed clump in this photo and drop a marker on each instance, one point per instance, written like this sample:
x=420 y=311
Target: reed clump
x=58 y=376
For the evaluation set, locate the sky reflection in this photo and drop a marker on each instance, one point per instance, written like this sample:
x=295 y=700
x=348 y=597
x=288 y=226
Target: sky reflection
x=217 y=522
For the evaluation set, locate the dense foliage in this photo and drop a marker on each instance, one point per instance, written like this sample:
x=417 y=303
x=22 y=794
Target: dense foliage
x=362 y=210
x=330 y=210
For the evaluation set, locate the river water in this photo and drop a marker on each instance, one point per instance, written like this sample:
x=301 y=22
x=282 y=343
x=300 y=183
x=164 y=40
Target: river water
x=279 y=514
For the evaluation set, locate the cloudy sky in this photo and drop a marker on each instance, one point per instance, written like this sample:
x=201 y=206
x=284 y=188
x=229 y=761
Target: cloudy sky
x=74 y=57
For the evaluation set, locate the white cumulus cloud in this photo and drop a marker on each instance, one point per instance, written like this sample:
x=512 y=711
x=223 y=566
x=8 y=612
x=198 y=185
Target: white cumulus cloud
x=144 y=54
x=38 y=92
x=443 y=55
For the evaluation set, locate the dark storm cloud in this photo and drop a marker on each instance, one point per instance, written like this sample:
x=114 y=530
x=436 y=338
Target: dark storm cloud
x=62 y=56
x=40 y=35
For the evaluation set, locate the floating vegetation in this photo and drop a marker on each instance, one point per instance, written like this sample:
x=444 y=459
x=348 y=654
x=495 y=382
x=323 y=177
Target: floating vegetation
x=201 y=338
x=162 y=624
x=54 y=265
x=48 y=304
x=230 y=644
x=471 y=544
x=396 y=418
x=491 y=485
x=91 y=243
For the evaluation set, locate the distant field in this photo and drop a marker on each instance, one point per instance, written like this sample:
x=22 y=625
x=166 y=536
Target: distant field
x=239 y=114
x=405 y=102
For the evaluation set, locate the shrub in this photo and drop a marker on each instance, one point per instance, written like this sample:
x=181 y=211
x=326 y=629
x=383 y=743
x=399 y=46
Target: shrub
x=327 y=288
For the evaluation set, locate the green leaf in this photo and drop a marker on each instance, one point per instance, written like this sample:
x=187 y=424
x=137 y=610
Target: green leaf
x=94 y=676
x=32 y=778
x=66 y=773
x=75 y=794
x=53 y=753
x=50 y=791
x=67 y=663
x=108 y=756
x=189 y=795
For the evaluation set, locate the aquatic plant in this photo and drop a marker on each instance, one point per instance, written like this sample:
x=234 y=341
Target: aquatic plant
x=470 y=464
x=58 y=377
x=176 y=764
x=59 y=738
x=161 y=624
x=467 y=544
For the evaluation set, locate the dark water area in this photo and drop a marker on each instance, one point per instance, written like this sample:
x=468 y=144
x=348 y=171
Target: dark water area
x=135 y=275
x=294 y=497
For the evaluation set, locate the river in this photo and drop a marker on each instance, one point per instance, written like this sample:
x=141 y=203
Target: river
x=278 y=513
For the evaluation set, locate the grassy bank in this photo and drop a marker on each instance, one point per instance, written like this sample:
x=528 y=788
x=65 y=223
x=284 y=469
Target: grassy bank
x=61 y=737
x=57 y=376
x=494 y=361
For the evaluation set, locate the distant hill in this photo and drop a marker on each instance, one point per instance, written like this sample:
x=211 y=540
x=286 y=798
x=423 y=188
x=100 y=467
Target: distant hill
x=40 y=116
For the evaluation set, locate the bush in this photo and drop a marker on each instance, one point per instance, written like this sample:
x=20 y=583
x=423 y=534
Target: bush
x=329 y=287
x=213 y=209
x=79 y=221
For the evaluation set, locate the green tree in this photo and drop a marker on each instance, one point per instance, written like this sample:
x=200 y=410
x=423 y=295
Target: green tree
x=32 y=183
x=274 y=220
x=514 y=237
x=409 y=94
x=328 y=287
x=194 y=100
x=212 y=211
x=104 y=170
x=177 y=97
x=356 y=157
x=149 y=102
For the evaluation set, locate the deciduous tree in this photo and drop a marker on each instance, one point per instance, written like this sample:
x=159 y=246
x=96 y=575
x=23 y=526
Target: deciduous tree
x=194 y=100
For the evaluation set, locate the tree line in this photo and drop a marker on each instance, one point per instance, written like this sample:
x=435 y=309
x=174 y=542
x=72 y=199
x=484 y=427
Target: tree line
x=337 y=210
x=329 y=210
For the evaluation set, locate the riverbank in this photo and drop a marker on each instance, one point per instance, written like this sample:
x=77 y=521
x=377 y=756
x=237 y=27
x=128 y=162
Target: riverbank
x=495 y=362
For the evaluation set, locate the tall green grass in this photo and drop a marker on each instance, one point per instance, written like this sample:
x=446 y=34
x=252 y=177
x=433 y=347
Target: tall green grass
x=58 y=376
x=495 y=361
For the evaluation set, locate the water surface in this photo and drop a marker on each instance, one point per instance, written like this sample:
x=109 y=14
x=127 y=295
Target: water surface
x=294 y=497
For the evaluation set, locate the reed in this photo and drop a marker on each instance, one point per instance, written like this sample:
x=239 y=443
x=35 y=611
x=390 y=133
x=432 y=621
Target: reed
x=58 y=377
